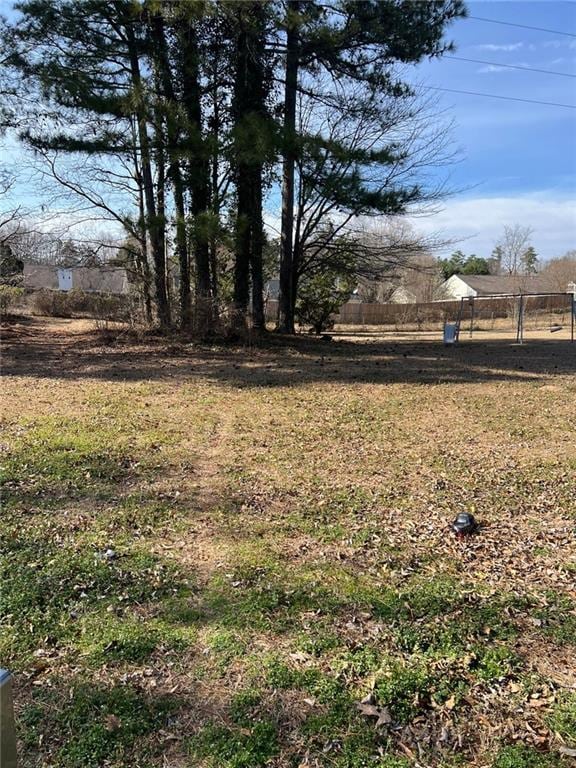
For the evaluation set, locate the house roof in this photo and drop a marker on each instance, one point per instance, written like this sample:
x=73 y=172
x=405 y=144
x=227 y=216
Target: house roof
x=507 y=284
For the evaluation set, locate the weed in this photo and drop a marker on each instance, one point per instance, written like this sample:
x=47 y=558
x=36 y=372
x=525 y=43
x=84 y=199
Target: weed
x=61 y=458
x=520 y=756
x=46 y=588
x=96 y=725
x=225 y=645
x=222 y=747
x=563 y=718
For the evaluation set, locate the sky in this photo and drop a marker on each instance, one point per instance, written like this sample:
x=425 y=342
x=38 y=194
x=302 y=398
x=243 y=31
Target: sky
x=517 y=160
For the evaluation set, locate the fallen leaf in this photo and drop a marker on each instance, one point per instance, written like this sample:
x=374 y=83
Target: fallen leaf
x=450 y=703
x=112 y=722
x=372 y=710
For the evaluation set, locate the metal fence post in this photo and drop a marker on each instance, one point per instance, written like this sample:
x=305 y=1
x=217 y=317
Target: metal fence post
x=7 y=729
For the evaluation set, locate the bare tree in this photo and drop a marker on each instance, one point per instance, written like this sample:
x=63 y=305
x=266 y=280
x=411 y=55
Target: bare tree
x=363 y=160
x=512 y=246
x=10 y=214
x=561 y=271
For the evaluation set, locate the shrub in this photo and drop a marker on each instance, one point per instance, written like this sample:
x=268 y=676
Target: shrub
x=80 y=304
x=9 y=295
x=320 y=297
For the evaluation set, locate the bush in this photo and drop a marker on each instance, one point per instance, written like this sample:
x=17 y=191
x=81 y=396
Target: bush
x=80 y=304
x=9 y=295
x=320 y=297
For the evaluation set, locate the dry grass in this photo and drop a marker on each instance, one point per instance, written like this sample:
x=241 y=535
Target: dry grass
x=279 y=519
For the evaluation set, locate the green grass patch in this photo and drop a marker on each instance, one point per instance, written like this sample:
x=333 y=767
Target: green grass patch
x=62 y=458
x=223 y=747
x=47 y=588
x=558 y=618
x=105 y=638
x=95 y=725
x=225 y=645
x=563 y=718
x=521 y=756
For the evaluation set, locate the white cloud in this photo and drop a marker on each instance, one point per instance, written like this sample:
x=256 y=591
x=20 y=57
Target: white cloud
x=478 y=222
x=500 y=47
x=571 y=44
x=497 y=68
x=490 y=68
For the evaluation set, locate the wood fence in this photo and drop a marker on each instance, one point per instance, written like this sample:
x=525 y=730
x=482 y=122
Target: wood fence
x=436 y=313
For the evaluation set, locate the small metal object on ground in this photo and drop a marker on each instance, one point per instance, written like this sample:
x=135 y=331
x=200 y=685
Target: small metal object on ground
x=464 y=523
x=7 y=729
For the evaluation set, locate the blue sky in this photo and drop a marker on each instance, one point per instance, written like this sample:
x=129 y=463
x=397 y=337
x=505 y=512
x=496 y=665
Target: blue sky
x=518 y=159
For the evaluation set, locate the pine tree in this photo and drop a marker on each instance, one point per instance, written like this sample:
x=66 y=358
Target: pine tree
x=529 y=260
x=358 y=42
x=86 y=59
x=253 y=146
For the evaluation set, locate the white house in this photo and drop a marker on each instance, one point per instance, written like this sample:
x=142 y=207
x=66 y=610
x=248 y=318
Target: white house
x=465 y=286
x=90 y=279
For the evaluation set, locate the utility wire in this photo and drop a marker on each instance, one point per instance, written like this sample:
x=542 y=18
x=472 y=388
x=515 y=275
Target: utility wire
x=503 y=98
x=512 y=66
x=522 y=26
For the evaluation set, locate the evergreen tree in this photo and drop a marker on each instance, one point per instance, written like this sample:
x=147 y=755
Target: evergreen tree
x=460 y=264
x=184 y=91
x=254 y=145
x=168 y=113
x=529 y=261
x=350 y=41
x=87 y=61
x=475 y=265
x=495 y=261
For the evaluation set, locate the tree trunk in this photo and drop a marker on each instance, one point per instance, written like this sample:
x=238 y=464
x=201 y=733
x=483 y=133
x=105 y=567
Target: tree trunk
x=142 y=259
x=242 y=250
x=250 y=114
x=155 y=230
x=174 y=172
x=286 y=298
x=160 y=160
x=214 y=180
x=198 y=168
x=295 y=281
x=142 y=264
x=257 y=244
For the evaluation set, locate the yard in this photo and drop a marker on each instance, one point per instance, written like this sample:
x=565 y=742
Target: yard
x=240 y=557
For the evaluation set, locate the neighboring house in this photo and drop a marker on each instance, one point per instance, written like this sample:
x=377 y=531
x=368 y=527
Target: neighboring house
x=355 y=297
x=464 y=286
x=402 y=296
x=89 y=279
x=272 y=289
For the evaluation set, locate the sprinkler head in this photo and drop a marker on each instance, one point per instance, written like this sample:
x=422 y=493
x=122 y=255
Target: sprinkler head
x=464 y=524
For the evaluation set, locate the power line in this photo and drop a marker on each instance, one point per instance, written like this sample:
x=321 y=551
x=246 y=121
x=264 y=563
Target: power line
x=503 y=98
x=521 y=26
x=512 y=66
